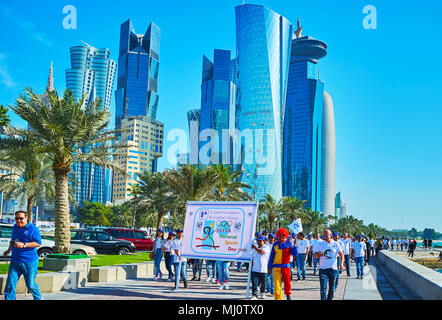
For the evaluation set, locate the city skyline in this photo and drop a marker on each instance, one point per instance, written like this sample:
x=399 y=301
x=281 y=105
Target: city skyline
x=376 y=155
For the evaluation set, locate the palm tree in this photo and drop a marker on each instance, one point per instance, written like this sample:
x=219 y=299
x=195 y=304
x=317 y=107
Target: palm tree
x=272 y=208
x=153 y=192
x=190 y=183
x=292 y=208
x=4 y=118
x=313 y=221
x=228 y=186
x=62 y=128
x=122 y=215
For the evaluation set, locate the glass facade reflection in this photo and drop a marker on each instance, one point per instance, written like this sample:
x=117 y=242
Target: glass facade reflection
x=303 y=124
x=138 y=68
x=217 y=104
x=92 y=75
x=263 y=40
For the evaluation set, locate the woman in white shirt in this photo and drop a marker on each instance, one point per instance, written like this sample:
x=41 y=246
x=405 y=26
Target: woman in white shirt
x=168 y=254
x=158 y=251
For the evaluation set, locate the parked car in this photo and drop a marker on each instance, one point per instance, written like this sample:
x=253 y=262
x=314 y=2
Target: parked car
x=138 y=237
x=101 y=241
x=47 y=245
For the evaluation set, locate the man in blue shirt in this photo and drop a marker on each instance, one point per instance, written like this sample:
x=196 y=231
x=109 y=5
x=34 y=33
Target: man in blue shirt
x=24 y=258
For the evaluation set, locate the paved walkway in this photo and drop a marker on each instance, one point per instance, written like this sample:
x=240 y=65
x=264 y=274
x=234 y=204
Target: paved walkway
x=147 y=289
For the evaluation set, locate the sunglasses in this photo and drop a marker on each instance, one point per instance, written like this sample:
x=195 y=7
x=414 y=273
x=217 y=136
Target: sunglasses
x=20 y=218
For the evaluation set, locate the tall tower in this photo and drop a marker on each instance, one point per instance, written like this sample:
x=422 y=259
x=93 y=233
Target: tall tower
x=263 y=40
x=139 y=61
x=92 y=75
x=328 y=157
x=304 y=135
x=218 y=104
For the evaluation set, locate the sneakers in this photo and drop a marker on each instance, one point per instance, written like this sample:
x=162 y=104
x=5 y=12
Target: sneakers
x=221 y=287
x=289 y=298
x=261 y=296
x=155 y=278
x=226 y=286
x=185 y=285
x=209 y=279
x=199 y=279
x=193 y=278
x=254 y=298
x=214 y=280
x=169 y=280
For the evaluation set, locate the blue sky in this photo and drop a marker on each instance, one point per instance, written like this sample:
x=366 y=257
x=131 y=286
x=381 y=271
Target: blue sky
x=385 y=83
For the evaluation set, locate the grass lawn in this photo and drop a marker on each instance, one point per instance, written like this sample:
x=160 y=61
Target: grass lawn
x=100 y=260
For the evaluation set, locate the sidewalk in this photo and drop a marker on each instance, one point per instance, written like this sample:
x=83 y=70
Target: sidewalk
x=147 y=289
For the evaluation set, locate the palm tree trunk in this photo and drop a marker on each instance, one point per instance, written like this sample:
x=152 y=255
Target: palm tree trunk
x=160 y=219
x=62 y=215
x=29 y=203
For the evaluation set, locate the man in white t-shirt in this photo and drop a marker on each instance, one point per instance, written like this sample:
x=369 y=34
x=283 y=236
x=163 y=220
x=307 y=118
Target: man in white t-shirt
x=314 y=245
x=360 y=254
x=302 y=245
x=260 y=260
x=179 y=263
x=270 y=289
x=328 y=252
x=346 y=241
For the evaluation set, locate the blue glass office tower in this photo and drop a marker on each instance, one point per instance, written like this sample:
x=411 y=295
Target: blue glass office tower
x=263 y=42
x=92 y=74
x=305 y=129
x=218 y=105
x=138 y=65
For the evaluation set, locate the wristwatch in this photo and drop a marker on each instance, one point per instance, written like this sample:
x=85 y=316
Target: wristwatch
x=24 y=245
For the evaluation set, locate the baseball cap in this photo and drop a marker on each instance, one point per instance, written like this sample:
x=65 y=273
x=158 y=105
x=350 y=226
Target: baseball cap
x=261 y=238
x=335 y=233
x=160 y=230
x=180 y=230
x=172 y=233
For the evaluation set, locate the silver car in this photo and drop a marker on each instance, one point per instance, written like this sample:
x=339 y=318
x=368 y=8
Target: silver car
x=47 y=245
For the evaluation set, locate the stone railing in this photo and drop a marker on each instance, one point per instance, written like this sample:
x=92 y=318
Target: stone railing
x=424 y=282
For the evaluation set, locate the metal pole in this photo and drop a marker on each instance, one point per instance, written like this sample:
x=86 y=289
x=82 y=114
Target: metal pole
x=248 y=279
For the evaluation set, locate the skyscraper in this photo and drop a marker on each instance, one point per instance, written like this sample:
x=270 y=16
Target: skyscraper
x=218 y=105
x=145 y=139
x=309 y=130
x=92 y=75
x=263 y=41
x=138 y=65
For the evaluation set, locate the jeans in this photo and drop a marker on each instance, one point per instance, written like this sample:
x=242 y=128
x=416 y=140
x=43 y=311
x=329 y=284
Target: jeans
x=347 y=263
x=359 y=266
x=182 y=273
x=269 y=283
x=258 y=278
x=238 y=266
x=315 y=264
x=327 y=275
x=168 y=261
x=157 y=261
x=310 y=258
x=222 y=268
x=29 y=271
x=210 y=264
x=197 y=267
x=337 y=276
x=300 y=264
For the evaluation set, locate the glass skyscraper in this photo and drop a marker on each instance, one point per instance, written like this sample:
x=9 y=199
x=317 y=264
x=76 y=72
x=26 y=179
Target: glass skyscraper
x=308 y=140
x=263 y=42
x=218 y=105
x=92 y=74
x=138 y=65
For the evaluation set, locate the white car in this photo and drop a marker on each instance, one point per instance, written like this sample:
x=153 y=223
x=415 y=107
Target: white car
x=47 y=246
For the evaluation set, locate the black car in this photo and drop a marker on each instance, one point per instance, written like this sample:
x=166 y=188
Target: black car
x=101 y=241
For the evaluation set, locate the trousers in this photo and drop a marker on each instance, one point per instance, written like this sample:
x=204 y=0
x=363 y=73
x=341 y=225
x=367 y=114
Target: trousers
x=281 y=275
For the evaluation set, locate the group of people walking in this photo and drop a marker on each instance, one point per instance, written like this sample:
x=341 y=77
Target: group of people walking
x=274 y=260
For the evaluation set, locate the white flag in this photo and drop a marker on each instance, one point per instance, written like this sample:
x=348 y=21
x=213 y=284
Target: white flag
x=296 y=226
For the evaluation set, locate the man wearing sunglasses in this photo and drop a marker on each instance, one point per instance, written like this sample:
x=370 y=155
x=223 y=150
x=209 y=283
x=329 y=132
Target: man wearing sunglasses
x=24 y=258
